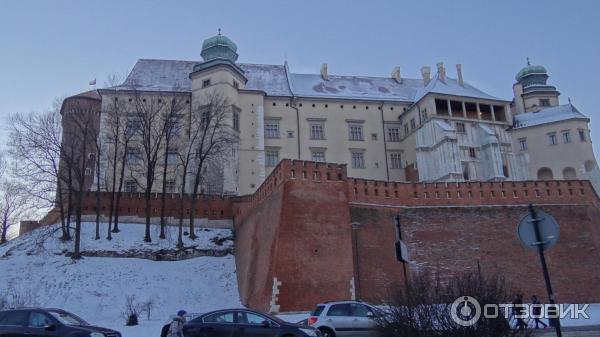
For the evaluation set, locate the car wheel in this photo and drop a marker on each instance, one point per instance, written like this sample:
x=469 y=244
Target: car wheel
x=327 y=332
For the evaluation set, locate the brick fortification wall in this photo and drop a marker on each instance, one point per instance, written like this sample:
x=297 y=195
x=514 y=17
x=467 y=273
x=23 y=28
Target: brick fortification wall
x=325 y=236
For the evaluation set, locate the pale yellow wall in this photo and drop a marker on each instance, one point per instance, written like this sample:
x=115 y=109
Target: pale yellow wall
x=556 y=157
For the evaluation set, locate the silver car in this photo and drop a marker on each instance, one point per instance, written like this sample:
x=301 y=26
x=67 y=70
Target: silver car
x=344 y=318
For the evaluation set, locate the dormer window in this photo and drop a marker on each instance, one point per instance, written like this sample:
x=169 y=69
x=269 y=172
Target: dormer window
x=206 y=83
x=544 y=102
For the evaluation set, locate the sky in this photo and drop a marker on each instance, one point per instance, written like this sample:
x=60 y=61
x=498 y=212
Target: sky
x=52 y=49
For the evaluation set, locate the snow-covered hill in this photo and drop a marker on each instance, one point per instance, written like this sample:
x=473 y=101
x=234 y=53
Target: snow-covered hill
x=35 y=271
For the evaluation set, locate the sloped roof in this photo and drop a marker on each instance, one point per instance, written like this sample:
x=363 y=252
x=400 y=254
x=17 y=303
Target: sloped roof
x=275 y=80
x=548 y=115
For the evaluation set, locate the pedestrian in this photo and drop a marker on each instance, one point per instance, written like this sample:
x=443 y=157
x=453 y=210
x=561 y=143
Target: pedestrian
x=536 y=311
x=518 y=311
x=176 y=328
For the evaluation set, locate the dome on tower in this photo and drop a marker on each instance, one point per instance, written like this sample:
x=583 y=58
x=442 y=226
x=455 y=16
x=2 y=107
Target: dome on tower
x=219 y=47
x=531 y=70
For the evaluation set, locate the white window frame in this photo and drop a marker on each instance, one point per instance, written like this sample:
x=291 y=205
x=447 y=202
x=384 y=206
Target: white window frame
x=318 y=156
x=272 y=128
x=395 y=160
x=523 y=144
x=552 y=139
x=566 y=136
x=317 y=130
x=357 y=159
x=271 y=157
x=393 y=133
x=355 y=132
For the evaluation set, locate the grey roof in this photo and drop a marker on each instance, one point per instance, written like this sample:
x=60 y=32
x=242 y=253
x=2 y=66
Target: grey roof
x=276 y=80
x=548 y=115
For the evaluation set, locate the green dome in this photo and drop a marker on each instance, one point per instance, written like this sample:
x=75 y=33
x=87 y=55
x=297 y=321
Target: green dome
x=219 y=46
x=531 y=69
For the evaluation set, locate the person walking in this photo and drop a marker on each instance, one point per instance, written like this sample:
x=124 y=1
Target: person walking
x=536 y=311
x=518 y=311
x=176 y=328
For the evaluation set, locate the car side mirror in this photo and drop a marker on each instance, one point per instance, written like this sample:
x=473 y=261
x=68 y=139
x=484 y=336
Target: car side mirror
x=50 y=327
x=266 y=324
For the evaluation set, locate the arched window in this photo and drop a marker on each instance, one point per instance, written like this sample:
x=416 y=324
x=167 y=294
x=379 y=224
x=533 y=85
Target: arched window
x=590 y=165
x=569 y=173
x=545 y=173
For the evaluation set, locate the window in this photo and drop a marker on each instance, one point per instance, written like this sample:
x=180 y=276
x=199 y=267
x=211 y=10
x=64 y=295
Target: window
x=355 y=132
x=544 y=102
x=172 y=157
x=133 y=125
x=582 y=135
x=219 y=317
x=236 y=85
x=173 y=125
x=88 y=171
x=405 y=130
x=170 y=186
x=252 y=318
x=236 y=121
x=318 y=156
x=361 y=310
x=130 y=186
x=271 y=157
x=523 y=144
x=472 y=152
x=460 y=127
x=290 y=134
x=413 y=124
x=566 y=136
x=358 y=160
x=92 y=156
x=373 y=136
x=271 y=129
x=396 y=160
x=206 y=83
x=552 y=139
x=133 y=155
x=39 y=320
x=393 y=134
x=15 y=318
x=339 y=310
x=317 y=131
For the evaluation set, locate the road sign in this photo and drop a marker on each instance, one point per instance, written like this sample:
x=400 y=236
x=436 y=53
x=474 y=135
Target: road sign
x=547 y=227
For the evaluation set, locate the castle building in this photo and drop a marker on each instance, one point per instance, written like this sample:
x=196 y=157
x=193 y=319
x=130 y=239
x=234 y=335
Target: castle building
x=432 y=129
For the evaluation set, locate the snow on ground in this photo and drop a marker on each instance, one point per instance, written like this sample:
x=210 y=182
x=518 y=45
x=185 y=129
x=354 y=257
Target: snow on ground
x=95 y=288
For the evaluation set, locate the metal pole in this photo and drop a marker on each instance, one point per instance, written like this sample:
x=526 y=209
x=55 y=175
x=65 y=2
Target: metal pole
x=540 y=245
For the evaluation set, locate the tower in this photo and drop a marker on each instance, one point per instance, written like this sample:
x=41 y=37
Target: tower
x=532 y=93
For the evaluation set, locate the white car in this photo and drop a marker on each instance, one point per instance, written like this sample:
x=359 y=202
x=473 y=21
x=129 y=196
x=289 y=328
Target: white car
x=344 y=319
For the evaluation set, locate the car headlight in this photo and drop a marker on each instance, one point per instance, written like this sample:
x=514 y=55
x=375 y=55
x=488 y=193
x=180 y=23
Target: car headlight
x=309 y=332
x=97 y=334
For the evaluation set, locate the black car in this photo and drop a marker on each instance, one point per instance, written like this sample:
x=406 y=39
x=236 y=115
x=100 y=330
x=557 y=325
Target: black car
x=38 y=322
x=244 y=323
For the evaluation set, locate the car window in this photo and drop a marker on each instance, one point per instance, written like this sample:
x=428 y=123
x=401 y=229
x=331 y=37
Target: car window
x=67 y=318
x=219 y=317
x=318 y=310
x=15 y=318
x=361 y=310
x=339 y=310
x=39 y=320
x=253 y=318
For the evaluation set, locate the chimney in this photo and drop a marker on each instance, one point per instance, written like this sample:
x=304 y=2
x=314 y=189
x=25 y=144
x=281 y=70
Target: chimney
x=396 y=75
x=324 y=72
x=441 y=71
x=459 y=75
x=426 y=73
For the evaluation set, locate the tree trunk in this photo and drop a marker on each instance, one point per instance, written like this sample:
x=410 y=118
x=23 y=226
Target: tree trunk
x=4 y=232
x=112 y=190
x=193 y=204
x=98 y=195
x=61 y=209
x=77 y=249
x=164 y=191
x=147 y=196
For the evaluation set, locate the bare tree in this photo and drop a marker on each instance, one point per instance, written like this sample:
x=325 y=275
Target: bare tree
x=218 y=132
x=14 y=204
x=35 y=144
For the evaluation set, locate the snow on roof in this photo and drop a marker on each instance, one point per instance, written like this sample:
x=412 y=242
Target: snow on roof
x=276 y=80
x=450 y=86
x=549 y=115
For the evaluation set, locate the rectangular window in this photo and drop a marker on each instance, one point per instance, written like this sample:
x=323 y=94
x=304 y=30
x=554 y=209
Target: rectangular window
x=413 y=124
x=396 y=160
x=472 y=152
x=460 y=127
x=206 y=83
x=405 y=130
x=523 y=144
x=582 y=135
x=544 y=102
x=236 y=85
x=133 y=126
x=130 y=186
x=133 y=155
x=317 y=131
x=170 y=186
x=290 y=134
x=552 y=139
x=358 y=160
x=566 y=136
x=271 y=129
x=88 y=171
x=271 y=157
x=373 y=136
x=393 y=134
x=236 y=121
x=172 y=157
x=318 y=156
x=355 y=132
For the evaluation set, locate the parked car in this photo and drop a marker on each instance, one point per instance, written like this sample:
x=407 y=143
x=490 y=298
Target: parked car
x=244 y=323
x=344 y=319
x=48 y=323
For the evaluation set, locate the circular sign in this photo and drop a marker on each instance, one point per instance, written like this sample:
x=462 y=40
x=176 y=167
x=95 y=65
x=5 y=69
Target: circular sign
x=547 y=229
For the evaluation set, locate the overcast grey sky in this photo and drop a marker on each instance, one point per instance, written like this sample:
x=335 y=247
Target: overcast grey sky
x=54 y=48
